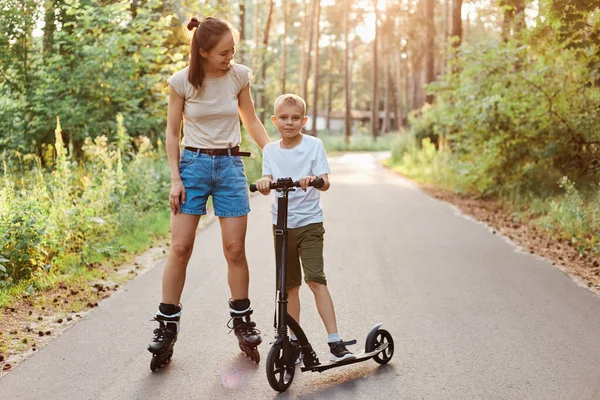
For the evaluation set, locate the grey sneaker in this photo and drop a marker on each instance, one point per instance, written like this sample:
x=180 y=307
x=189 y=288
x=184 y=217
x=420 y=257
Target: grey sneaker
x=339 y=352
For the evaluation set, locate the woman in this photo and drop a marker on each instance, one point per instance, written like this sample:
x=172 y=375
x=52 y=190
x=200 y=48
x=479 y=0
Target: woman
x=210 y=95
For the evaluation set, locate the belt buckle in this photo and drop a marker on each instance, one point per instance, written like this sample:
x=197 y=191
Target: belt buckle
x=210 y=152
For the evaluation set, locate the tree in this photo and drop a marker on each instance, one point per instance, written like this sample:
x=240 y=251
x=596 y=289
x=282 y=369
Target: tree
x=329 y=86
x=284 y=45
x=445 y=29
x=315 y=102
x=514 y=18
x=456 y=31
x=375 y=98
x=309 y=40
x=256 y=53
x=263 y=68
x=347 y=72
x=430 y=45
x=242 y=8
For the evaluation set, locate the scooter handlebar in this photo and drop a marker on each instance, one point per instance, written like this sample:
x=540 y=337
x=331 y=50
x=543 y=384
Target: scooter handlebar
x=288 y=183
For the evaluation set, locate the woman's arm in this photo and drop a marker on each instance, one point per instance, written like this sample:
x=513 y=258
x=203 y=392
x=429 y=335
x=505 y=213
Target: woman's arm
x=252 y=124
x=174 y=118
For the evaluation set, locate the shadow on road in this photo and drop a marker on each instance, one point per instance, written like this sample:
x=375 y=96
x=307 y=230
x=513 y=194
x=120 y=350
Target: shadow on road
x=341 y=383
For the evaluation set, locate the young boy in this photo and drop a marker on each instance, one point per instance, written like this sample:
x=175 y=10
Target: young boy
x=302 y=158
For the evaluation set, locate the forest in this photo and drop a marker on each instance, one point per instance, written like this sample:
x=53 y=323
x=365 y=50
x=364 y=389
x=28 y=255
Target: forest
x=485 y=98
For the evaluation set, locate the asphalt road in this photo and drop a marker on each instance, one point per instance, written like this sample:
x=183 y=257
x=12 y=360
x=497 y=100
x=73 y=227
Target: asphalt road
x=472 y=317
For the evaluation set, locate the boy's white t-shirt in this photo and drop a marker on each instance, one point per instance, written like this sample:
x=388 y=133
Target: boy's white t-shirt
x=308 y=158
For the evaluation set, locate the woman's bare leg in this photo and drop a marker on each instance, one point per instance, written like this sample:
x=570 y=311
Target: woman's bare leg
x=183 y=234
x=233 y=232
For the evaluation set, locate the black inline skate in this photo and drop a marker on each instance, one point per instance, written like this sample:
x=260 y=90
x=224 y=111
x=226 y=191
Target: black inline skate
x=245 y=329
x=165 y=335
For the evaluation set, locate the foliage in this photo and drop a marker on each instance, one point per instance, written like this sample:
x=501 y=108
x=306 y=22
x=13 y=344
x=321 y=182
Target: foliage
x=519 y=117
x=74 y=215
x=97 y=60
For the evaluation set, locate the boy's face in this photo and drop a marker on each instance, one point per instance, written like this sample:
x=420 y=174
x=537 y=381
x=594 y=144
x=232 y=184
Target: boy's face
x=289 y=120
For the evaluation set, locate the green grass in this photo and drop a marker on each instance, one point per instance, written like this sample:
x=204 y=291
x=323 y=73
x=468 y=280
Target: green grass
x=359 y=142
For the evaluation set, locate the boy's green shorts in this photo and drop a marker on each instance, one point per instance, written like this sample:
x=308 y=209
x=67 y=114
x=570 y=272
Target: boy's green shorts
x=304 y=244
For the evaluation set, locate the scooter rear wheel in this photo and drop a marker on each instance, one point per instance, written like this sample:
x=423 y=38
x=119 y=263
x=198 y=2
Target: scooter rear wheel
x=375 y=340
x=281 y=366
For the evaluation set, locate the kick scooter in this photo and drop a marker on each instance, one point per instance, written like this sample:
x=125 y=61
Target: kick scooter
x=281 y=361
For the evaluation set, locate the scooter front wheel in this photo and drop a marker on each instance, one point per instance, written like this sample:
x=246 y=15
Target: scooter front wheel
x=376 y=339
x=281 y=366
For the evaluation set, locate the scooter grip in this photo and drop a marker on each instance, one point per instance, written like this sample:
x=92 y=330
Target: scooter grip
x=253 y=187
x=318 y=183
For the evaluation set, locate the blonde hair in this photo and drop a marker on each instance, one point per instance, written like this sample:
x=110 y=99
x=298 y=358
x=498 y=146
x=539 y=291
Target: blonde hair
x=290 y=99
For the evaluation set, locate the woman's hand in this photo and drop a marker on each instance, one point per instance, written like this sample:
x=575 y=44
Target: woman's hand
x=177 y=196
x=263 y=185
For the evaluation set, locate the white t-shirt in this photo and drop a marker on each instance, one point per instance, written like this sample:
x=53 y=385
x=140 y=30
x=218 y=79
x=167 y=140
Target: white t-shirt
x=308 y=158
x=211 y=119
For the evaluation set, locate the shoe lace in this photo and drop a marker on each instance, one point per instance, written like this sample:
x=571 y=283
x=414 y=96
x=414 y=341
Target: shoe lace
x=161 y=333
x=245 y=327
x=339 y=347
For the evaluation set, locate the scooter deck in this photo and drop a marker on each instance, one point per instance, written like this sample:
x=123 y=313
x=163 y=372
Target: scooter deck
x=333 y=364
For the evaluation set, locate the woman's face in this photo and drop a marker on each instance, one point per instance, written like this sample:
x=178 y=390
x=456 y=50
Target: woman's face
x=219 y=58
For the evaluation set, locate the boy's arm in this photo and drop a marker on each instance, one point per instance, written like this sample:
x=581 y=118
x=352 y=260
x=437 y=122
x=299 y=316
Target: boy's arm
x=321 y=169
x=304 y=182
x=326 y=185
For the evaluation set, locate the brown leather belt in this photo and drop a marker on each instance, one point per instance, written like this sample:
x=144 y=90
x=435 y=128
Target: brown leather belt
x=233 y=151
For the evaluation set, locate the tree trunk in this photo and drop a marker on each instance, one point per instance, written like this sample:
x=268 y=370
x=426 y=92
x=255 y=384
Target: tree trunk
x=242 y=8
x=430 y=46
x=329 y=88
x=375 y=96
x=263 y=72
x=315 y=102
x=50 y=26
x=399 y=93
x=302 y=48
x=347 y=72
x=256 y=35
x=180 y=12
x=514 y=18
x=309 y=51
x=284 y=46
x=446 y=27
x=385 y=128
x=457 y=22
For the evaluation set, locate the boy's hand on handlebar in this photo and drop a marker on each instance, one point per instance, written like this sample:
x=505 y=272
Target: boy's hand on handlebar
x=304 y=182
x=263 y=185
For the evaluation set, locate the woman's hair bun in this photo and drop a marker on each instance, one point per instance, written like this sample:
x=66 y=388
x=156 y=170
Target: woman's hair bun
x=194 y=22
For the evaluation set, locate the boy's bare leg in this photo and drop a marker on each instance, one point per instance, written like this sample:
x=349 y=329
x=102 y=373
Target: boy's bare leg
x=294 y=303
x=324 y=305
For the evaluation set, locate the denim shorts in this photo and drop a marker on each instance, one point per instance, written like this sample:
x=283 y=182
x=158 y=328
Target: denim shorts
x=221 y=177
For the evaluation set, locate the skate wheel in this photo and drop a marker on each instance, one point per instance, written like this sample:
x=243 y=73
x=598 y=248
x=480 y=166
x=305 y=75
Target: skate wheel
x=255 y=355
x=154 y=363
